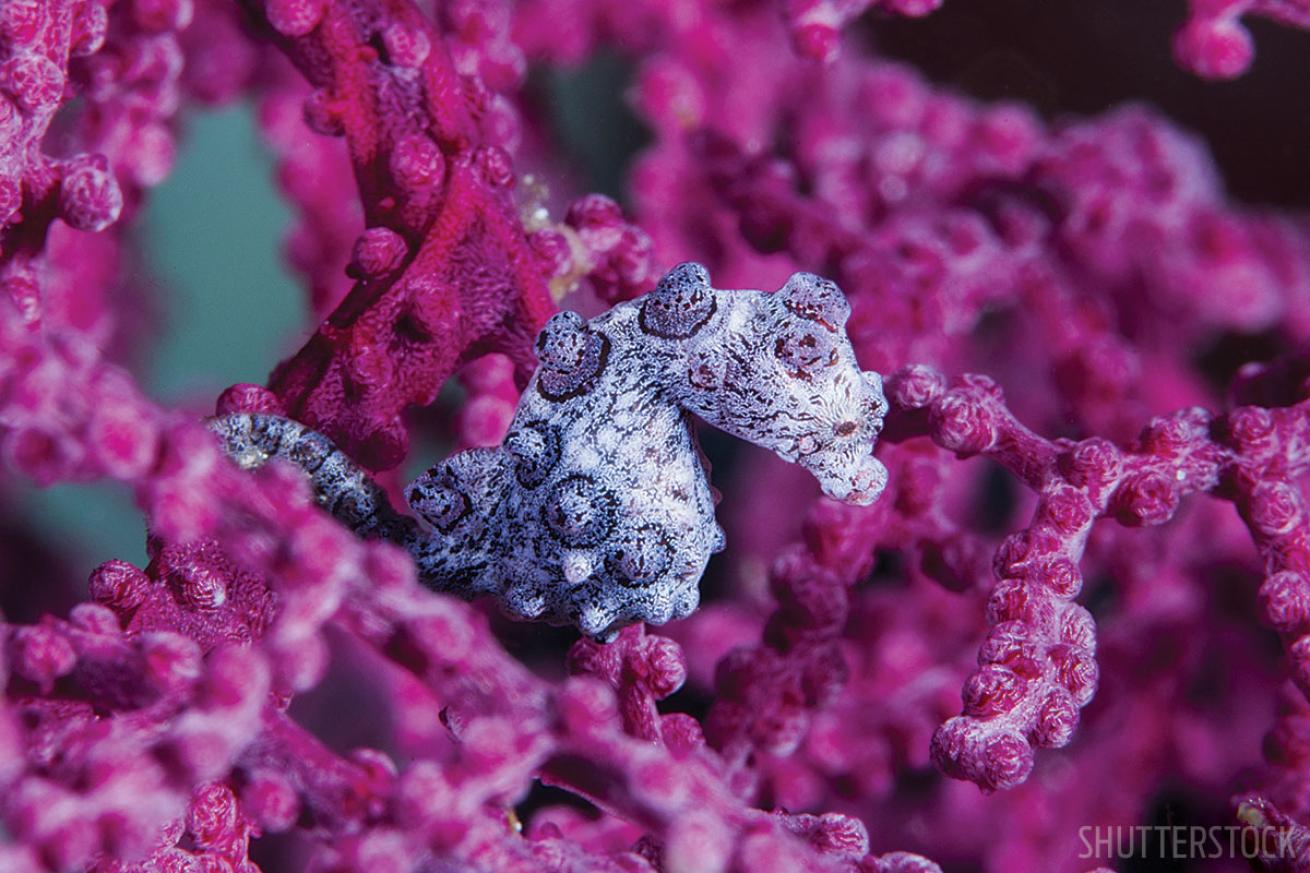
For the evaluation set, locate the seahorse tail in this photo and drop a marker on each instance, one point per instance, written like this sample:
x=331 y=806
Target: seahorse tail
x=341 y=486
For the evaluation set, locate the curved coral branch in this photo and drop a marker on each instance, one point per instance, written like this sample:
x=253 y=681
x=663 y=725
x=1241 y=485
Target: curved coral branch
x=1214 y=43
x=435 y=184
x=1037 y=666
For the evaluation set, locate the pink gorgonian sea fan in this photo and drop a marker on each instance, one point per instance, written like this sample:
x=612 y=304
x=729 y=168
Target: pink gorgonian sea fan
x=1019 y=581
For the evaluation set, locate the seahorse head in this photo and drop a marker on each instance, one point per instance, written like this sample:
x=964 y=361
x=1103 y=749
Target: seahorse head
x=777 y=370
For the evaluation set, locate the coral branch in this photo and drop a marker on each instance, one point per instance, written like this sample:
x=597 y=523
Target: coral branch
x=1214 y=44
x=1037 y=665
x=435 y=187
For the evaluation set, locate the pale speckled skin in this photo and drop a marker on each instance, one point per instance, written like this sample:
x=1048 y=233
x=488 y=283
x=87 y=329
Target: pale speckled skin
x=596 y=510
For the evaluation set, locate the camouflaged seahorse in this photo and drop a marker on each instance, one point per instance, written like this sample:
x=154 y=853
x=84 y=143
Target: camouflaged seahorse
x=596 y=510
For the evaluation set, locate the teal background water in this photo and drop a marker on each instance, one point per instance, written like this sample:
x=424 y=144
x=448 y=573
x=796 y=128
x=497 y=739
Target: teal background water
x=229 y=310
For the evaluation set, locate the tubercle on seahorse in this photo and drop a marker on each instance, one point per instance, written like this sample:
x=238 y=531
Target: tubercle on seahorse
x=596 y=510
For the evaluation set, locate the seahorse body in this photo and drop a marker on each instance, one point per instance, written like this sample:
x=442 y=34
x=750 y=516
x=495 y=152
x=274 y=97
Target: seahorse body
x=596 y=510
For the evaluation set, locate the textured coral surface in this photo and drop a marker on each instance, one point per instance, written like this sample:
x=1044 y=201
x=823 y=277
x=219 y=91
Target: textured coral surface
x=1065 y=594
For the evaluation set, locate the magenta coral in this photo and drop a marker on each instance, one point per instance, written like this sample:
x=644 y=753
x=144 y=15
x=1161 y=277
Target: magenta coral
x=1214 y=43
x=1075 y=603
x=427 y=147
